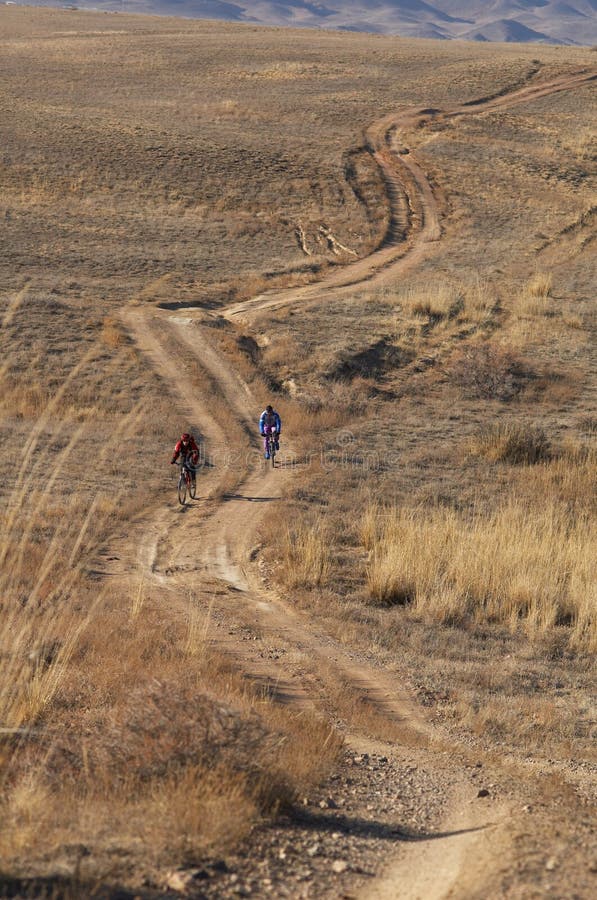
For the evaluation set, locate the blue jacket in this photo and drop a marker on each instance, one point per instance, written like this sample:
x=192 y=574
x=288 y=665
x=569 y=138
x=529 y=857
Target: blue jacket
x=274 y=419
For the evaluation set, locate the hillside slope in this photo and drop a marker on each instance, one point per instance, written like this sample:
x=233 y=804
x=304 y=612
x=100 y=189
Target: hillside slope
x=551 y=21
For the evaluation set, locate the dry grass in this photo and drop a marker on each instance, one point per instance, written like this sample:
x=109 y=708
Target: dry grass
x=534 y=567
x=471 y=300
x=532 y=300
x=517 y=443
x=136 y=192
x=305 y=555
x=116 y=715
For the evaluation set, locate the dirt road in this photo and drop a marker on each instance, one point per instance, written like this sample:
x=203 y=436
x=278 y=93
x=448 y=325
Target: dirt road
x=350 y=844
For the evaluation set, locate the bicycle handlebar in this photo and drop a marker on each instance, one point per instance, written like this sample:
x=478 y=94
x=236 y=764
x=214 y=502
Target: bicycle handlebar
x=192 y=467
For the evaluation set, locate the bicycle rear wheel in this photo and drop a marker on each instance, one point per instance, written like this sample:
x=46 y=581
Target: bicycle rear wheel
x=182 y=489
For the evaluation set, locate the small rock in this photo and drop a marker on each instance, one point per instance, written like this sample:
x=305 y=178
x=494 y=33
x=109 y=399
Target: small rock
x=483 y=792
x=180 y=880
x=313 y=850
x=551 y=864
x=339 y=866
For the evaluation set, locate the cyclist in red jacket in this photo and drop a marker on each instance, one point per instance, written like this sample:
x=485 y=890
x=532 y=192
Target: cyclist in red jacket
x=186 y=448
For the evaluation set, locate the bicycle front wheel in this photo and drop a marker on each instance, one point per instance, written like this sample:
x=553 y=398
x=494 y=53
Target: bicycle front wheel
x=182 y=489
x=193 y=487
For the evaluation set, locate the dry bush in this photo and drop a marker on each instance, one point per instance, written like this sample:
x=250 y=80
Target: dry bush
x=516 y=565
x=485 y=370
x=517 y=443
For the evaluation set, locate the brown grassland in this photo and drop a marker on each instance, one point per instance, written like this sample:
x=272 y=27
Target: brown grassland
x=438 y=479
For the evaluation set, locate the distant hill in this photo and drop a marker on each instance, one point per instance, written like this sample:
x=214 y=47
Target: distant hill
x=542 y=21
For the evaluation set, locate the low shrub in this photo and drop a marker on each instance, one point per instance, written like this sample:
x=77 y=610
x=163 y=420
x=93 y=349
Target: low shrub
x=485 y=370
x=512 y=442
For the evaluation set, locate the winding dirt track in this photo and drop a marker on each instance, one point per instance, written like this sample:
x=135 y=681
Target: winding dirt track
x=414 y=207
x=222 y=574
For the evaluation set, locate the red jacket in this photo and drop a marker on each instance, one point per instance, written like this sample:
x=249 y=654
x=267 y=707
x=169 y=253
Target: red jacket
x=191 y=450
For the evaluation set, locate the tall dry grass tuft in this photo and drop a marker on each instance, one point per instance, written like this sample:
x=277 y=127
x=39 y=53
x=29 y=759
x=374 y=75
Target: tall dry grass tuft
x=531 y=301
x=521 y=564
x=512 y=442
x=473 y=300
x=305 y=554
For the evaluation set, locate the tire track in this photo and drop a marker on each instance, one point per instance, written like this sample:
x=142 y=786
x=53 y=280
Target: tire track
x=405 y=244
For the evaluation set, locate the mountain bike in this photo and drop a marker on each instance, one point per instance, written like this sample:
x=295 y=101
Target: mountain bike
x=186 y=481
x=272 y=438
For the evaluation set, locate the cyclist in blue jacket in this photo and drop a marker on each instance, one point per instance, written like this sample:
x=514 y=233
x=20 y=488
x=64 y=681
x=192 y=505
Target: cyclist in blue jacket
x=270 y=423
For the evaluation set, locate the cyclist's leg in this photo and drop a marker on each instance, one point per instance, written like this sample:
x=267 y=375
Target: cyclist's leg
x=265 y=442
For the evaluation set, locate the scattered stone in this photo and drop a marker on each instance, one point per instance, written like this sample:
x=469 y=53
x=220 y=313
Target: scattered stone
x=313 y=850
x=483 y=792
x=551 y=864
x=180 y=880
x=339 y=866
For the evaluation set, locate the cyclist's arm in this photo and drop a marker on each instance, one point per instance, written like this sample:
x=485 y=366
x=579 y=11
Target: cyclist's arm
x=176 y=453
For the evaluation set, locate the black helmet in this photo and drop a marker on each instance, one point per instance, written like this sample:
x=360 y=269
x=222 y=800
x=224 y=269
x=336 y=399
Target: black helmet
x=269 y=408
